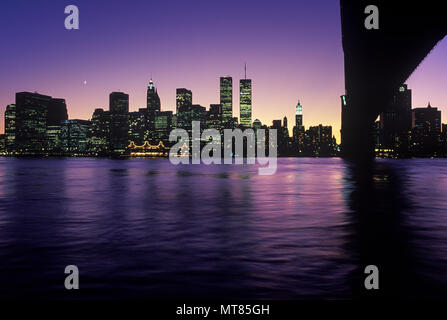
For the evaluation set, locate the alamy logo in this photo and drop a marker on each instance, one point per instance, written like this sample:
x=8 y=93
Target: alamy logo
x=72 y=280
x=372 y=20
x=211 y=153
x=72 y=20
x=372 y=280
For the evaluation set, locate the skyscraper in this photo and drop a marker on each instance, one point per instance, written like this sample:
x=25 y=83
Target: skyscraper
x=57 y=112
x=31 y=122
x=137 y=126
x=298 y=130
x=245 y=102
x=198 y=113
x=163 y=126
x=99 y=132
x=152 y=107
x=214 y=117
x=37 y=121
x=184 y=108
x=299 y=115
x=183 y=100
x=226 y=100
x=153 y=100
x=427 y=120
x=74 y=136
x=119 y=121
x=321 y=140
x=10 y=127
x=426 y=131
x=395 y=122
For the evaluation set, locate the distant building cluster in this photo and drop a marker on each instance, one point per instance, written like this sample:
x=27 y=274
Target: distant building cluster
x=38 y=125
x=402 y=131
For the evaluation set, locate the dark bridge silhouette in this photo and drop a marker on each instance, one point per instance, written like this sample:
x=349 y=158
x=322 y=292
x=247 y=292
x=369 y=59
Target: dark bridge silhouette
x=377 y=62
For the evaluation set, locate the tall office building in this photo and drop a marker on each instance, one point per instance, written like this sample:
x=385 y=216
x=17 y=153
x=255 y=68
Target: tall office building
x=426 y=131
x=183 y=100
x=245 y=102
x=57 y=112
x=119 y=103
x=427 y=120
x=99 y=132
x=226 y=100
x=31 y=122
x=198 y=113
x=299 y=115
x=395 y=122
x=214 y=117
x=298 y=130
x=152 y=107
x=10 y=127
x=37 y=121
x=2 y=143
x=119 y=121
x=320 y=140
x=153 y=100
x=184 y=108
x=163 y=126
x=137 y=126
x=74 y=136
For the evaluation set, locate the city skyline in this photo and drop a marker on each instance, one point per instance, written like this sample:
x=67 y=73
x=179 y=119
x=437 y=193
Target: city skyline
x=303 y=58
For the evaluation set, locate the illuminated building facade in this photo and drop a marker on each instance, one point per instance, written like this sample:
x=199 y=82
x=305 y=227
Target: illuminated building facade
x=395 y=122
x=299 y=115
x=137 y=126
x=214 y=117
x=245 y=102
x=10 y=127
x=119 y=121
x=153 y=100
x=74 y=136
x=99 y=132
x=427 y=119
x=31 y=122
x=425 y=138
x=226 y=100
x=152 y=107
x=184 y=108
x=163 y=126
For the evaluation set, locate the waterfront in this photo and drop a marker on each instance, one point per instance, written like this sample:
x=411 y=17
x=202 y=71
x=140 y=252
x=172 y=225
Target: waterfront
x=143 y=228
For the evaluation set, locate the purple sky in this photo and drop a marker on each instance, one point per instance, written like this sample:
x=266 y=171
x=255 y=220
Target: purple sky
x=292 y=49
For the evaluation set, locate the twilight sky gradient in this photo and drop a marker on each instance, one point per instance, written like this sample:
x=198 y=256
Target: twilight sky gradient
x=292 y=49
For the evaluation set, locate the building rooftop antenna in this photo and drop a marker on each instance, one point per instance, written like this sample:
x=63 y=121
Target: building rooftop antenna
x=245 y=69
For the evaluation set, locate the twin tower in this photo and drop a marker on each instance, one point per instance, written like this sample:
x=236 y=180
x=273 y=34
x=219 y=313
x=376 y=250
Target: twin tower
x=245 y=102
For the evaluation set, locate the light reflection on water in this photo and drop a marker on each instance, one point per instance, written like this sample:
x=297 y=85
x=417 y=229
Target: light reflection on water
x=148 y=229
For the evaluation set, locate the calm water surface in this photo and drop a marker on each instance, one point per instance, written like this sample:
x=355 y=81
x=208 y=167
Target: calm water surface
x=147 y=229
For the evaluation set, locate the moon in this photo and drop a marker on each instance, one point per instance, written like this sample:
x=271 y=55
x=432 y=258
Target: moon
x=85 y=82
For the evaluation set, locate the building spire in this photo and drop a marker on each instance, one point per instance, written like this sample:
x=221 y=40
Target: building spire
x=245 y=69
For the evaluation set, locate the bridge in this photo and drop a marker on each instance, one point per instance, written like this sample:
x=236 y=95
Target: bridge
x=379 y=61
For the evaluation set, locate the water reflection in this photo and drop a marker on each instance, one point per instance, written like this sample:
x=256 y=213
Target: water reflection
x=384 y=200
x=147 y=229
